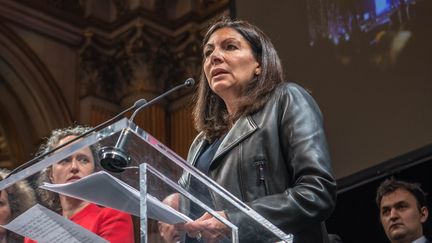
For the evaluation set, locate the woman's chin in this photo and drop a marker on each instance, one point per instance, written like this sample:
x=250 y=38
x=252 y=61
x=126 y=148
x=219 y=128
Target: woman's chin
x=224 y=89
x=220 y=86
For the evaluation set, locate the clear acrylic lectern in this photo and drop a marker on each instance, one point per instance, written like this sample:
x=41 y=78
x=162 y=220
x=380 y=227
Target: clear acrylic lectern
x=156 y=173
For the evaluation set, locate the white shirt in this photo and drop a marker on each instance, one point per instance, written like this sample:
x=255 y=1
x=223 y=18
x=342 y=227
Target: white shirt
x=420 y=240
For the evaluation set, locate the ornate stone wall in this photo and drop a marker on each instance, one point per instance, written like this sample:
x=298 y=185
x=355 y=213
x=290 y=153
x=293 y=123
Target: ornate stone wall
x=96 y=58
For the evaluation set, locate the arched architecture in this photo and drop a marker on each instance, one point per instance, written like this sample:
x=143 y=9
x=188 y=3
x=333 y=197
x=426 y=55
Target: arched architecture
x=66 y=62
x=30 y=100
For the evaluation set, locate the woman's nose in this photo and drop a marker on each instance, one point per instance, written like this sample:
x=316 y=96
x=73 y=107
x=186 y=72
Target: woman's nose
x=74 y=165
x=216 y=56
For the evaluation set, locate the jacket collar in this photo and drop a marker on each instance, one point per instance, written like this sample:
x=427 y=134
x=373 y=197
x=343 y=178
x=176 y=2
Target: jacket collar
x=242 y=129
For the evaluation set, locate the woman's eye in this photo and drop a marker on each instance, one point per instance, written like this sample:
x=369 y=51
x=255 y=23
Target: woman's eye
x=231 y=47
x=84 y=159
x=207 y=53
x=64 y=161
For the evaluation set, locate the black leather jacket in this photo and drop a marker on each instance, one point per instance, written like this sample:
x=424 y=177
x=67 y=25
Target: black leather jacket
x=277 y=162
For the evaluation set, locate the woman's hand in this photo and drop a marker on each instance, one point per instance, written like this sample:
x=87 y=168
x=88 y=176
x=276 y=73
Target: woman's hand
x=208 y=228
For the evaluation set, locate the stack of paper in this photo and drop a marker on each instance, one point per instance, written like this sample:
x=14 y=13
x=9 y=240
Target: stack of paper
x=45 y=226
x=104 y=189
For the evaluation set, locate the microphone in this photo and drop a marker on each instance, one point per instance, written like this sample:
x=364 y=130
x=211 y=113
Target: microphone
x=188 y=83
x=115 y=159
x=139 y=103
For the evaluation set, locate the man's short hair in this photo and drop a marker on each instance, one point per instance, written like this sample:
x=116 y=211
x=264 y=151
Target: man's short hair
x=390 y=185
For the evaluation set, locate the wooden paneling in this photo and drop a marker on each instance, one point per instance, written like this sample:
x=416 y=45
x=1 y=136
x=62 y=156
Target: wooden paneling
x=182 y=130
x=99 y=114
x=153 y=120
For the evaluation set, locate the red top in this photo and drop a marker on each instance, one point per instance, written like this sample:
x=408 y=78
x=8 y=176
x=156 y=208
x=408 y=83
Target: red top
x=108 y=223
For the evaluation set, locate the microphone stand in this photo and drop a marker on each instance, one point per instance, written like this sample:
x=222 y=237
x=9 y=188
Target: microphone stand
x=115 y=159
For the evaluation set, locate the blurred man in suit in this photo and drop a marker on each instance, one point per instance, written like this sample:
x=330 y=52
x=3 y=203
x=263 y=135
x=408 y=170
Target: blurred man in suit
x=403 y=210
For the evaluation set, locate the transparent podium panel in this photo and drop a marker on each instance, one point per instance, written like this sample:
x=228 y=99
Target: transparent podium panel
x=137 y=175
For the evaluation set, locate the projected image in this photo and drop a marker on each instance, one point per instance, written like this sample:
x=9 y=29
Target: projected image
x=339 y=20
x=382 y=6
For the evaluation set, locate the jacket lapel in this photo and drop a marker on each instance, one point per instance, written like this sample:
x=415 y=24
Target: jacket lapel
x=197 y=148
x=242 y=129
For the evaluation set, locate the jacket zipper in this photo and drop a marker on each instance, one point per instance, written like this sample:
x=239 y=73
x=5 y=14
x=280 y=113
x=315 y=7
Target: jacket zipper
x=261 y=175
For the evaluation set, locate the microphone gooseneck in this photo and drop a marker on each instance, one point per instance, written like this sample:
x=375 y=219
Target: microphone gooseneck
x=137 y=104
x=115 y=159
x=188 y=83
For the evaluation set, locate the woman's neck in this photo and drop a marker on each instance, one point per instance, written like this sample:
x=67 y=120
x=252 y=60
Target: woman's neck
x=231 y=99
x=71 y=206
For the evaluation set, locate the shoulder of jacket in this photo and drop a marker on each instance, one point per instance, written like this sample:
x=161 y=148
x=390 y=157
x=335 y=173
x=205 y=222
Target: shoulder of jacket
x=288 y=92
x=293 y=88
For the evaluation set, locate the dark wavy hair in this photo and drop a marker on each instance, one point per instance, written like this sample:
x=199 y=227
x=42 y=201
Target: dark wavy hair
x=210 y=113
x=390 y=185
x=20 y=198
x=52 y=199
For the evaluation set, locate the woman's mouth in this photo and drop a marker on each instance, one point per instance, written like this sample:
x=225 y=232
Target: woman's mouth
x=73 y=178
x=217 y=72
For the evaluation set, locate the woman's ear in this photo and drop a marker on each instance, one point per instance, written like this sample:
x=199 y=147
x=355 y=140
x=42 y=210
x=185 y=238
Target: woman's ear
x=257 y=71
x=50 y=176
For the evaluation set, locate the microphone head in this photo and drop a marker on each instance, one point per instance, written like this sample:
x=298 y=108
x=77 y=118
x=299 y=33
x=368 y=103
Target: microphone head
x=189 y=82
x=139 y=103
x=113 y=159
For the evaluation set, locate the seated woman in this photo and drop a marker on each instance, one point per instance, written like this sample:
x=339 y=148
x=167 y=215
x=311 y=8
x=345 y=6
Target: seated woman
x=110 y=224
x=14 y=201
